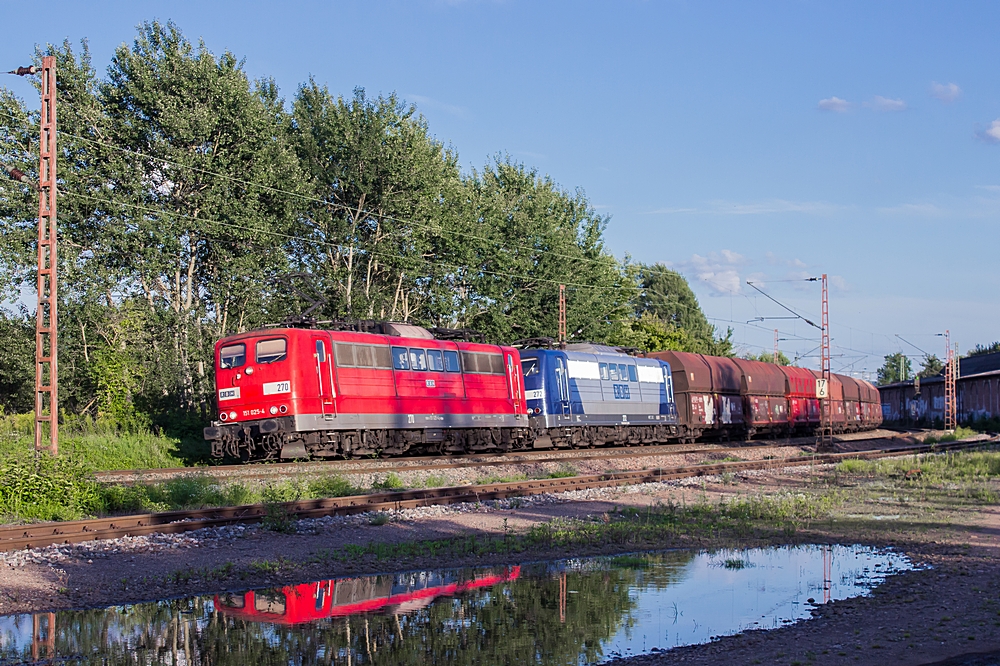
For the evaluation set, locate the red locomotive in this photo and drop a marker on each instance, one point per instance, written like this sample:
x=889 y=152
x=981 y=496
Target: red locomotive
x=297 y=392
x=309 y=602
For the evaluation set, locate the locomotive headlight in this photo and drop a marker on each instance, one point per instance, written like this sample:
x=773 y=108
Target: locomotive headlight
x=273 y=410
x=283 y=409
x=223 y=416
x=232 y=415
x=249 y=371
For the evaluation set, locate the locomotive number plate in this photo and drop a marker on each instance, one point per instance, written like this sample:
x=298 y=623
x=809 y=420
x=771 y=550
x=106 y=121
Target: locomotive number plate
x=534 y=394
x=229 y=393
x=273 y=388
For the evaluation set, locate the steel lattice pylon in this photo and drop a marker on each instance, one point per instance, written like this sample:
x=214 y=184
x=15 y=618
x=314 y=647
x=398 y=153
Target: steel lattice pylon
x=46 y=317
x=950 y=380
x=825 y=404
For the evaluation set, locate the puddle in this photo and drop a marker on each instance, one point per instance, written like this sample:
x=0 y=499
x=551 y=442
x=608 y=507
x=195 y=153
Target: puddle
x=561 y=613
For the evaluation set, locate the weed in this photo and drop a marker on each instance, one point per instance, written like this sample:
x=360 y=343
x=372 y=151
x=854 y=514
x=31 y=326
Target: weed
x=736 y=563
x=436 y=481
x=276 y=519
x=565 y=472
x=265 y=567
x=332 y=486
x=379 y=518
x=629 y=562
x=390 y=482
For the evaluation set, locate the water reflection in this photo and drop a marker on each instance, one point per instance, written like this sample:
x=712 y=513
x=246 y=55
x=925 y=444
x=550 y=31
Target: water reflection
x=567 y=612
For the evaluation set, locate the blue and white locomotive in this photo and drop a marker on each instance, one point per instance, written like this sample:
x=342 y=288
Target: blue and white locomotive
x=592 y=395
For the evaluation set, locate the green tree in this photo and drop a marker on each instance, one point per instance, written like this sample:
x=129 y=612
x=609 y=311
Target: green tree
x=896 y=368
x=382 y=189
x=931 y=366
x=978 y=350
x=523 y=238
x=768 y=357
x=17 y=363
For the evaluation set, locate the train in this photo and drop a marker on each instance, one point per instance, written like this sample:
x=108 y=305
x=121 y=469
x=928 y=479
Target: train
x=391 y=389
x=343 y=597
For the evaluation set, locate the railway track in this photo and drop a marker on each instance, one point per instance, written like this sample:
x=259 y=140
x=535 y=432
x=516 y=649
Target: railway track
x=172 y=522
x=432 y=463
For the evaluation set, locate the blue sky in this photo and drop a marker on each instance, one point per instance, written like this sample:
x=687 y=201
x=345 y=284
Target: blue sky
x=732 y=141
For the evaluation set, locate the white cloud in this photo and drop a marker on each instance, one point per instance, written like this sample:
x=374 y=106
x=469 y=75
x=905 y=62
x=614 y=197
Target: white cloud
x=990 y=188
x=946 y=92
x=775 y=260
x=880 y=103
x=834 y=104
x=719 y=270
x=992 y=134
x=774 y=206
x=923 y=209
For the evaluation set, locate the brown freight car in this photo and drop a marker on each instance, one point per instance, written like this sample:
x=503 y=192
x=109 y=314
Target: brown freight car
x=763 y=386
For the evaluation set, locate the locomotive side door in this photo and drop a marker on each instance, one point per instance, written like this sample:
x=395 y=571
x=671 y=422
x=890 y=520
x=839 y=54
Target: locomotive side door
x=324 y=375
x=562 y=385
x=514 y=377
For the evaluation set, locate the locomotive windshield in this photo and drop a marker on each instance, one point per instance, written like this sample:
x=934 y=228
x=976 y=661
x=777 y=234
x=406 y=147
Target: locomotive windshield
x=529 y=367
x=271 y=351
x=232 y=356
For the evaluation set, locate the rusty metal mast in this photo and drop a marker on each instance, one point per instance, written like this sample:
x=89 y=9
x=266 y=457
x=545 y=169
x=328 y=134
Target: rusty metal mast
x=825 y=405
x=562 y=315
x=46 y=316
x=774 y=359
x=950 y=377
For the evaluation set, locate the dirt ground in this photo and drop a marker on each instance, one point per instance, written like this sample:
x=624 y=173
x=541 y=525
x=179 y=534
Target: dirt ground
x=922 y=617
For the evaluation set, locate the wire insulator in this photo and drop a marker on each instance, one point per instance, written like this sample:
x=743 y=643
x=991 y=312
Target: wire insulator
x=24 y=71
x=17 y=174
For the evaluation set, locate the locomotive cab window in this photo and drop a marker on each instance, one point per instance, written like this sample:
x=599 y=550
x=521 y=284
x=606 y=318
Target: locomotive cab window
x=417 y=360
x=529 y=366
x=613 y=371
x=230 y=600
x=399 y=358
x=435 y=361
x=272 y=351
x=604 y=371
x=232 y=356
x=451 y=363
x=269 y=601
x=633 y=375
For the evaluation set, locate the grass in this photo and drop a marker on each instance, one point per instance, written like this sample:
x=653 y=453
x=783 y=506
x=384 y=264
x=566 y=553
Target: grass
x=629 y=562
x=99 y=445
x=960 y=433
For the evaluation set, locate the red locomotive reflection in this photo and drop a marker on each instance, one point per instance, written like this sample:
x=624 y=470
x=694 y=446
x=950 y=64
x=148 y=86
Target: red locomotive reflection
x=398 y=593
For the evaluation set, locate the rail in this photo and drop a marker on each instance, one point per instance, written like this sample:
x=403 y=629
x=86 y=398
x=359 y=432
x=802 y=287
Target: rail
x=173 y=522
x=432 y=463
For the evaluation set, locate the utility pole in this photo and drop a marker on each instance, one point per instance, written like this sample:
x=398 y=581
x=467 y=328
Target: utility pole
x=825 y=406
x=950 y=380
x=562 y=316
x=47 y=313
x=774 y=358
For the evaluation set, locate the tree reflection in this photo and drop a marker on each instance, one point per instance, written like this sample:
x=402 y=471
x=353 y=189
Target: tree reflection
x=548 y=614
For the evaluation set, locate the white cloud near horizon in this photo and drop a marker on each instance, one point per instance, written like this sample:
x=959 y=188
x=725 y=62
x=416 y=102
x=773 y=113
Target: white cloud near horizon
x=880 y=103
x=834 y=104
x=946 y=92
